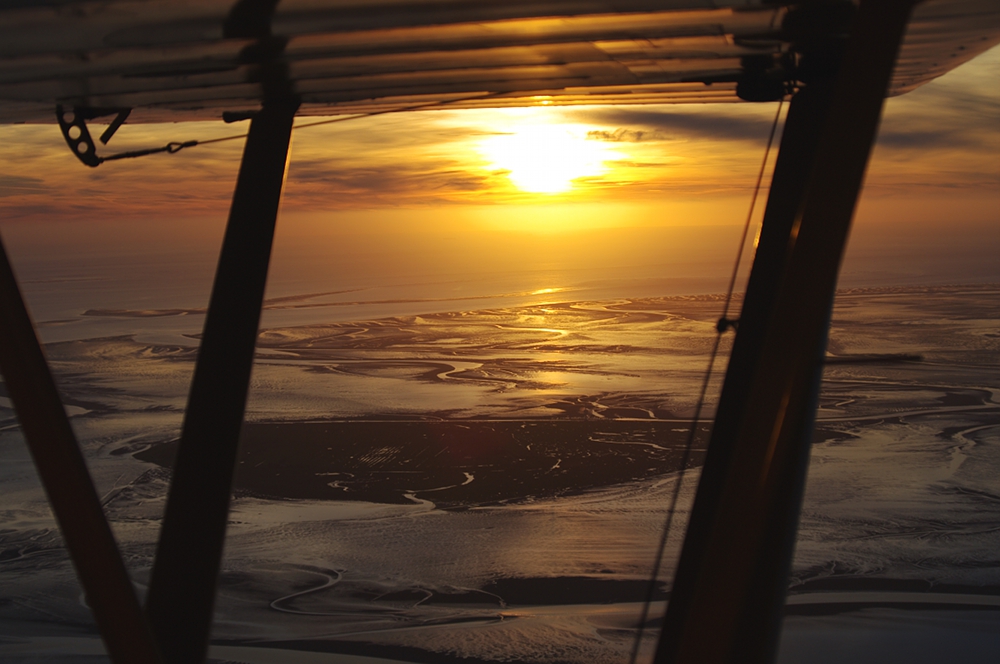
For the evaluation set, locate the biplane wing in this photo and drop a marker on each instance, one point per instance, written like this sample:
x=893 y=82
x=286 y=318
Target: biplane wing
x=193 y=60
x=268 y=61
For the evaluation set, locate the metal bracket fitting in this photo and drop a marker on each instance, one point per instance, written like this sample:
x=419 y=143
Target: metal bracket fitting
x=74 y=129
x=73 y=124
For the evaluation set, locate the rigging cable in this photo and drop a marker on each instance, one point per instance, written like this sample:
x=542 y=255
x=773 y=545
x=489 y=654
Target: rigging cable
x=177 y=146
x=721 y=327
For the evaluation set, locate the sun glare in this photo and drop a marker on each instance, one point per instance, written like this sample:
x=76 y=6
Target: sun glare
x=546 y=159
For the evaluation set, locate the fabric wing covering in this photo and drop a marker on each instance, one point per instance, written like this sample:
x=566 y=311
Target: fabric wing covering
x=177 y=60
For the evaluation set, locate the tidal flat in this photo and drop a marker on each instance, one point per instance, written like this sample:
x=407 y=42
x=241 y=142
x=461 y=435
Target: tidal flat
x=489 y=485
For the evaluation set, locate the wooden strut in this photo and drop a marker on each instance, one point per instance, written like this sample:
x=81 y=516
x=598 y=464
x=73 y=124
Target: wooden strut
x=728 y=593
x=72 y=496
x=182 y=587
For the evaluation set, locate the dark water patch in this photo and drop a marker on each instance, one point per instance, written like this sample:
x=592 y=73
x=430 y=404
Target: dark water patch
x=451 y=463
x=906 y=594
x=823 y=435
x=408 y=596
x=477 y=598
x=428 y=372
x=141 y=313
x=871 y=358
x=139 y=444
x=882 y=584
x=964 y=398
x=975 y=495
x=544 y=591
x=365 y=649
x=923 y=603
x=33 y=549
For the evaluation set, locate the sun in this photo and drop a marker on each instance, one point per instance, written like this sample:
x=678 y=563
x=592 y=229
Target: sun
x=546 y=158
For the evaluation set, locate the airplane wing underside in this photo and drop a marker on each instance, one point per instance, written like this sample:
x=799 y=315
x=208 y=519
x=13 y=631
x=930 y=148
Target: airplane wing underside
x=177 y=60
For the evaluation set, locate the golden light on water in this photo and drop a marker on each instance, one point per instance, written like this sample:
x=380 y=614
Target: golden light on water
x=546 y=158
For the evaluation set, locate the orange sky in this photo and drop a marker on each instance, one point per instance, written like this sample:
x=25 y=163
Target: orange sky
x=437 y=173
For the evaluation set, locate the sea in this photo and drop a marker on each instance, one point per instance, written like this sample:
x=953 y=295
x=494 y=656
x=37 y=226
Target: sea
x=898 y=555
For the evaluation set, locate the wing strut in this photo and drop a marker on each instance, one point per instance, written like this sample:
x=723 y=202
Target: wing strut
x=67 y=482
x=182 y=588
x=728 y=594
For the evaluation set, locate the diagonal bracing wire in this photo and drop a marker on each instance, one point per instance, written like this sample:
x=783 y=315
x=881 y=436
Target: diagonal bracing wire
x=177 y=146
x=721 y=327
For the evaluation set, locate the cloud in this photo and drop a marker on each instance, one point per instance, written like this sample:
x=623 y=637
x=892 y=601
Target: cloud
x=662 y=124
x=627 y=135
x=926 y=139
x=324 y=183
x=18 y=185
x=935 y=121
x=957 y=112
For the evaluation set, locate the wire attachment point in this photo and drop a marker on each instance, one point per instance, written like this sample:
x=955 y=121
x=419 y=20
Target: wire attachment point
x=73 y=124
x=724 y=324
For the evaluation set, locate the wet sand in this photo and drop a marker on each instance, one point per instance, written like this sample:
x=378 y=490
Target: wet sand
x=489 y=485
